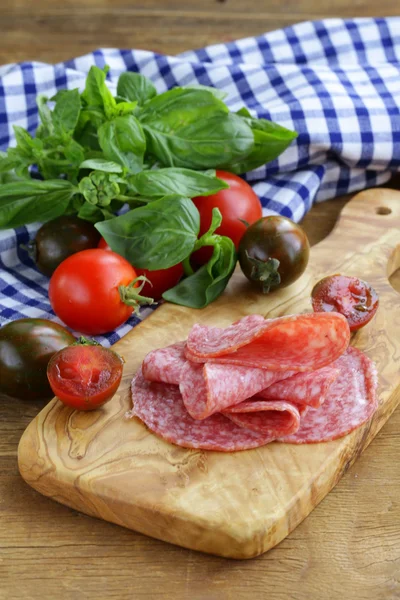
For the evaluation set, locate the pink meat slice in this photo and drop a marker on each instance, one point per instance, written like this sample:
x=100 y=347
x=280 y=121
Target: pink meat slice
x=308 y=388
x=350 y=402
x=297 y=342
x=275 y=418
x=161 y=408
x=209 y=388
x=165 y=364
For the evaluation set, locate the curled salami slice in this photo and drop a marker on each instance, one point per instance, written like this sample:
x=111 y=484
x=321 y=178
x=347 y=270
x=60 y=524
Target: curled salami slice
x=297 y=342
x=351 y=400
x=165 y=364
x=266 y=416
x=209 y=388
x=161 y=408
x=308 y=388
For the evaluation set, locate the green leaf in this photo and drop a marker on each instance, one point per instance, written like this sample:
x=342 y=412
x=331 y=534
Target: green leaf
x=25 y=143
x=215 y=91
x=66 y=112
x=134 y=86
x=97 y=94
x=33 y=200
x=206 y=284
x=101 y=164
x=99 y=188
x=122 y=140
x=156 y=236
x=124 y=108
x=183 y=182
x=6 y=163
x=270 y=140
x=45 y=116
x=94 y=214
x=74 y=152
x=194 y=129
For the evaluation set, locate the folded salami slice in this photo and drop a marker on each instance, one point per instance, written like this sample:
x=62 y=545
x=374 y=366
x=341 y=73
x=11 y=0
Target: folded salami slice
x=298 y=342
x=275 y=418
x=308 y=388
x=351 y=400
x=165 y=364
x=161 y=408
x=209 y=388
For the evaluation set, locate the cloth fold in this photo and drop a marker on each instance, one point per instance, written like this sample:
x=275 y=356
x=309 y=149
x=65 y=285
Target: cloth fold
x=336 y=82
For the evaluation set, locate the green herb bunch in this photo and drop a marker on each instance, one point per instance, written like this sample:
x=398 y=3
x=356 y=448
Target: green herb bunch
x=96 y=152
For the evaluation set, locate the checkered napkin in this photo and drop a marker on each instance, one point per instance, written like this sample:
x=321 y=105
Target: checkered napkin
x=336 y=82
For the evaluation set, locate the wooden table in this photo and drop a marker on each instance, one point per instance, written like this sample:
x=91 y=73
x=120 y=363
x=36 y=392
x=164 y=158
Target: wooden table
x=349 y=547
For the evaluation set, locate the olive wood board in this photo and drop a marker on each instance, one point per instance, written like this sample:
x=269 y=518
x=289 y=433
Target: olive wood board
x=238 y=504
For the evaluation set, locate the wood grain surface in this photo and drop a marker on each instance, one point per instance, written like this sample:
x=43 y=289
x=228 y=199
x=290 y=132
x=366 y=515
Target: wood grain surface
x=236 y=505
x=349 y=547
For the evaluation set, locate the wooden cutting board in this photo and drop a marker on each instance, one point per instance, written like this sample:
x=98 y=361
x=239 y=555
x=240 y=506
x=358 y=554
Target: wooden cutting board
x=235 y=505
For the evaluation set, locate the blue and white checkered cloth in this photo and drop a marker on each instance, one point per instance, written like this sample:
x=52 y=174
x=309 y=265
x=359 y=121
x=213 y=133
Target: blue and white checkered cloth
x=336 y=82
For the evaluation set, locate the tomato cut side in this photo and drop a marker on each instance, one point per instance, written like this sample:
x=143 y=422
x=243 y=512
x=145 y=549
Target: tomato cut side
x=84 y=376
x=353 y=298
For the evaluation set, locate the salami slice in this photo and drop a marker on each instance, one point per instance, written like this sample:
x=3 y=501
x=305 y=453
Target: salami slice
x=275 y=418
x=308 y=388
x=350 y=402
x=209 y=388
x=165 y=364
x=161 y=408
x=298 y=342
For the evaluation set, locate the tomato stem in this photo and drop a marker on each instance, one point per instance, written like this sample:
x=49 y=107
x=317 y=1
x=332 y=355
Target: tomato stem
x=265 y=272
x=130 y=294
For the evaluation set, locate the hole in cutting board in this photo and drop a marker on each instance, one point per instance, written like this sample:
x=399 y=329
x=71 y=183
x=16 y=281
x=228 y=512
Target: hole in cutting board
x=383 y=210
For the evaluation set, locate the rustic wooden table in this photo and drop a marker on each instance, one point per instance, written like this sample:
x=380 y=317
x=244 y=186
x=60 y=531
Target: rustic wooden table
x=350 y=545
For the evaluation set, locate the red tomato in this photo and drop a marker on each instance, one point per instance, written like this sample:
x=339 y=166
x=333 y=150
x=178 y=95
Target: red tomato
x=353 y=298
x=84 y=291
x=85 y=376
x=161 y=280
x=237 y=203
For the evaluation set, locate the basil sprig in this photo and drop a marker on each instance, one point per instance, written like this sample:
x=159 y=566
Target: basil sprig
x=96 y=152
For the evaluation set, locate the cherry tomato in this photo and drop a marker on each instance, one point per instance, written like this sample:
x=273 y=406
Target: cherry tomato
x=273 y=253
x=84 y=291
x=58 y=239
x=239 y=206
x=85 y=376
x=353 y=298
x=161 y=280
x=26 y=346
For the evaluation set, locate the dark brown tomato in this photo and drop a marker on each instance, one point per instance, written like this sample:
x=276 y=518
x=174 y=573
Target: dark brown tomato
x=26 y=346
x=58 y=239
x=273 y=252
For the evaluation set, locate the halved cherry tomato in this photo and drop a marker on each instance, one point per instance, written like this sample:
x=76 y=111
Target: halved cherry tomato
x=353 y=298
x=161 y=280
x=85 y=376
x=90 y=291
x=239 y=207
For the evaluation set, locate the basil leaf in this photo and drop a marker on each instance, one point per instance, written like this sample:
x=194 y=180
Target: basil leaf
x=66 y=112
x=95 y=82
x=99 y=188
x=6 y=163
x=176 y=181
x=122 y=140
x=94 y=214
x=74 y=152
x=101 y=164
x=156 y=236
x=207 y=142
x=25 y=142
x=124 y=108
x=33 y=200
x=134 y=86
x=45 y=116
x=192 y=128
x=206 y=284
x=270 y=140
x=215 y=91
